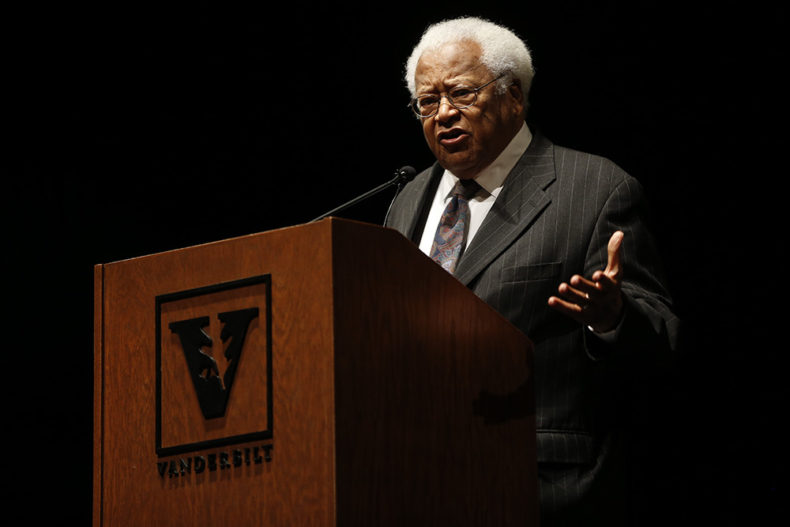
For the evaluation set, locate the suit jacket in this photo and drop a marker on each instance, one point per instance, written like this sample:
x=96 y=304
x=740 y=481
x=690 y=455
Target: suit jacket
x=553 y=218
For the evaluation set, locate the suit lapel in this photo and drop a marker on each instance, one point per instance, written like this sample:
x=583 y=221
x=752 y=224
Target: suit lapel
x=521 y=200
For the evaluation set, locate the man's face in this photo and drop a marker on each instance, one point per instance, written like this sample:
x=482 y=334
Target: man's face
x=468 y=140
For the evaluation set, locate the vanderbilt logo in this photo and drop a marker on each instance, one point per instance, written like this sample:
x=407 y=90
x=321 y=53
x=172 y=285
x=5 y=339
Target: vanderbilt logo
x=213 y=391
x=214 y=366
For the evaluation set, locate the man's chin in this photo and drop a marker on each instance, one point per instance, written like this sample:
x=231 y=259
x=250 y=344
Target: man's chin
x=458 y=160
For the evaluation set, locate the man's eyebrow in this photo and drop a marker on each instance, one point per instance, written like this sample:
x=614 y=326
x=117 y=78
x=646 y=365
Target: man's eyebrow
x=453 y=82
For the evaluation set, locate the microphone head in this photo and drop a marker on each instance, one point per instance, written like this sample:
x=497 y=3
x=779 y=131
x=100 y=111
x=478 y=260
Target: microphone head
x=406 y=174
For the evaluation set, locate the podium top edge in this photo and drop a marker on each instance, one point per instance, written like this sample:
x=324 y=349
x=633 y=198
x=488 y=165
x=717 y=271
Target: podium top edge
x=326 y=221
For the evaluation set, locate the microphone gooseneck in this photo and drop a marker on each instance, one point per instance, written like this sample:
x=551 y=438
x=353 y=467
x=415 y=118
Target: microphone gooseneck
x=405 y=174
x=402 y=176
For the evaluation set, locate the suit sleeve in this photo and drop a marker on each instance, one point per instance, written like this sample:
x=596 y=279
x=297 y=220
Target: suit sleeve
x=649 y=332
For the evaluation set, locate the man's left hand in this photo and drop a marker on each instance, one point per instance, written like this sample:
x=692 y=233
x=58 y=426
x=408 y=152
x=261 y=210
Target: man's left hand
x=598 y=302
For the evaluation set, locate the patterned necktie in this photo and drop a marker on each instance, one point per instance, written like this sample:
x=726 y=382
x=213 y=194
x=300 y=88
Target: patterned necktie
x=450 y=237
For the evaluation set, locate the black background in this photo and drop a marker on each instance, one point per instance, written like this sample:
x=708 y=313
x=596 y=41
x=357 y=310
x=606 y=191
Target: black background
x=137 y=128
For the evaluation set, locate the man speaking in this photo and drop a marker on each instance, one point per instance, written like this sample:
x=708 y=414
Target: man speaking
x=553 y=239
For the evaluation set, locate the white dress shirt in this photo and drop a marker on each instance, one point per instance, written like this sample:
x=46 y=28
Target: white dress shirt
x=490 y=179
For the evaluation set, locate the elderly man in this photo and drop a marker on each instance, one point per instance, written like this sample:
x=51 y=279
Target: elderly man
x=551 y=238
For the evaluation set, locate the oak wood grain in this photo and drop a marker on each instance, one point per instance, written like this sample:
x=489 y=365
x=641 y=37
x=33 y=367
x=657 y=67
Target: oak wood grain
x=378 y=357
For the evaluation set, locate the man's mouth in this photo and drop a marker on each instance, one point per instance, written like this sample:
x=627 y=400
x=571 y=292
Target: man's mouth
x=452 y=137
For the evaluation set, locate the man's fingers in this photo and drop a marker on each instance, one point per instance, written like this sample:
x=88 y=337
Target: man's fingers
x=597 y=301
x=596 y=289
x=580 y=291
x=570 y=309
x=579 y=282
x=613 y=261
x=605 y=283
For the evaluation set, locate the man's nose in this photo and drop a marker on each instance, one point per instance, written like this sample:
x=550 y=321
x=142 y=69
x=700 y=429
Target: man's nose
x=446 y=109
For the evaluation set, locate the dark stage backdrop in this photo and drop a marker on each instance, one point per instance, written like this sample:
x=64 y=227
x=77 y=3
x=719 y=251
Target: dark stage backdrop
x=141 y=128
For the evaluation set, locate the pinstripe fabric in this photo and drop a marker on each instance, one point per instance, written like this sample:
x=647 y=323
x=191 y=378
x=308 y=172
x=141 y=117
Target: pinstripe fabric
x=553 y=218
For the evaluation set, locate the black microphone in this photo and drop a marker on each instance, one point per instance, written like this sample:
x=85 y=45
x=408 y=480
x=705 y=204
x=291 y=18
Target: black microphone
x=402 y=176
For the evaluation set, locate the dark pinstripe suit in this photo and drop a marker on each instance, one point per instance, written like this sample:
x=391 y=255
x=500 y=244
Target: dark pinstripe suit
x=553 y=218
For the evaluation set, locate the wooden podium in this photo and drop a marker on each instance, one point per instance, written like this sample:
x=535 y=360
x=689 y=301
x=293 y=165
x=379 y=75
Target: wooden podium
x=327 y=374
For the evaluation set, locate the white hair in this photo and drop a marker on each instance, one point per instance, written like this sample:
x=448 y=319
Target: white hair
x=503 y=52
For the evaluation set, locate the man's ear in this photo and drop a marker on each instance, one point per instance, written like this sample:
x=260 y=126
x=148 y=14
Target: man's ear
x=514 y=91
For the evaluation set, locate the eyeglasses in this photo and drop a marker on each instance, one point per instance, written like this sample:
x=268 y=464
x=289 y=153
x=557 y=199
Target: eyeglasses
x=461 y=97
